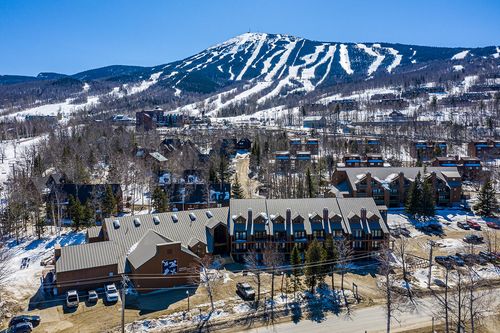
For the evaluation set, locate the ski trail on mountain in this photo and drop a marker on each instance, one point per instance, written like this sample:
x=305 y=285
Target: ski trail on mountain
x=329 y=54
x=253 y=57
x=288 y=50
x=397 y=59
x=378 y=57
x=344 y=59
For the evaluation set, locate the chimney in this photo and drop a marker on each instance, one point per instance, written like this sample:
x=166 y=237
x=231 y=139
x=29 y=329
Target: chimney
x=363 y=214
x=57 y=251
x=325 y=214
x=250 y=217
x=288 y=215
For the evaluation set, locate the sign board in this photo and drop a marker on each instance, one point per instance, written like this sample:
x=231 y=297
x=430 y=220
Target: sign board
x=169 y=267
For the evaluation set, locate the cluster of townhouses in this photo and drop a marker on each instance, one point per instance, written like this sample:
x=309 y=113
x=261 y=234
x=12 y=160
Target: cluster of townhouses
x=147 y=248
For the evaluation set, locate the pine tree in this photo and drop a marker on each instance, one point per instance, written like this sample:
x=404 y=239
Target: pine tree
x=413 y=200
x=314 y=272
x=75 y=211
x=295 y=261
x=310 y=184
x=487 y=202
x=427 y=206
x=160 y=200
x=87 y=214
x=332 y=255
x=236 y=189
x=109 y=202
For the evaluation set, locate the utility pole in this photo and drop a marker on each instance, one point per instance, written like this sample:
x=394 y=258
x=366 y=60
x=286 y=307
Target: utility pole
x=124 y=287
x=431 y=245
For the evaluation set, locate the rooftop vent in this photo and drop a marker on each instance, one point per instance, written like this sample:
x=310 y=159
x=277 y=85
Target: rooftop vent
x=116 y=224
x=192 y=216
x=156 y=220
x=175 y=218
x=137 y=222
x=209 y=214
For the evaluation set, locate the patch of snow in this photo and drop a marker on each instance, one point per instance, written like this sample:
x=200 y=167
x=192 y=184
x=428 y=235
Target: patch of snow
x=460 y=55
x=144 y=85
x=457 y=68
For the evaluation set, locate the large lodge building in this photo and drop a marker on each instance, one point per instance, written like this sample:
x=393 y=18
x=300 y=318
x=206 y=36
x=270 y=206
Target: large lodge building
x=161 y=250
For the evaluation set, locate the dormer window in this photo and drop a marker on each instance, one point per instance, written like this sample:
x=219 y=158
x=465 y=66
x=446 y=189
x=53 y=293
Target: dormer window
x=336 y=218
x=239 y=219
x=261 y=218
x=279 y=219
x=315 y=218
x=298 y=219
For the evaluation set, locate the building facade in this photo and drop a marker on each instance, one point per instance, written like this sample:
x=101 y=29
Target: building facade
x=389 y=186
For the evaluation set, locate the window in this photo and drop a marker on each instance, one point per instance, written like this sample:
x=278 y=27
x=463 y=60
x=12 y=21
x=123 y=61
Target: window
x=375 y=244
x=260 y=235
x=299 y=234
x=240 y=246
x=358 y=233
x=240 y=220
x=239 y=235
x=259 y=246
x=377 y=233
x=358 y=244
x=318 y=233
x=279 y=235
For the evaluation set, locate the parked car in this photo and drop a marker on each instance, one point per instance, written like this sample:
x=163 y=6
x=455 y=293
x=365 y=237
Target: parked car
x=456 y=260
x=72 y=299
x=34 y=320
x=92 y=296
x=463 y=225
x=490 y=257
x=473 y=239
x=474 y=225
x=22 y=327
x=111 y=293
x=245 y=291
x=493 y=224
x=443 y=260
x=472 y=259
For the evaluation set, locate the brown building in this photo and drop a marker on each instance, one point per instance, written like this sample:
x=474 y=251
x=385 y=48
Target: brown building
x=365 y=160
x=166 y=246
x=254 y=223
x=484 y=149
x=426 y=150
x=389 y=186
x=468 y=167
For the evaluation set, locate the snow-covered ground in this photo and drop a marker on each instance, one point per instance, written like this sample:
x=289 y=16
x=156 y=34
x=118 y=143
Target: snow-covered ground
x=24 y=282
x=64 y=109
x=13 y=150
x=237 y=308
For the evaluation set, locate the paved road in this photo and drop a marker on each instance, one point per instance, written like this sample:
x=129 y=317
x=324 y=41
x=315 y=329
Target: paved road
x=371 y=319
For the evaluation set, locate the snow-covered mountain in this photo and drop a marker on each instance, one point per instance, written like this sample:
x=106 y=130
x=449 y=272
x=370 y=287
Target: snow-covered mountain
x=302 y=64
x=271 y=65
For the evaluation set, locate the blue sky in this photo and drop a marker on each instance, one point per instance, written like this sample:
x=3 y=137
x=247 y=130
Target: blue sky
x=74 y=35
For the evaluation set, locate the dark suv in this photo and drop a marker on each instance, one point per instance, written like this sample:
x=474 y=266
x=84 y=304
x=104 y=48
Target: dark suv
x=34 y=320
x=245 y=291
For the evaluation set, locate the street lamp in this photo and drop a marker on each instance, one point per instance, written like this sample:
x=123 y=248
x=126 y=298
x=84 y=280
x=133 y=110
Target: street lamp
x=187 y=293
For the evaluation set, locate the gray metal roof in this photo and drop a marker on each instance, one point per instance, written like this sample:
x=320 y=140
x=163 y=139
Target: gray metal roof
x=129 y=233
x=145 y=249
x=350 y=206
x=94 y=232
x=387 y=174
x=114 y=251
x=76 y=257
